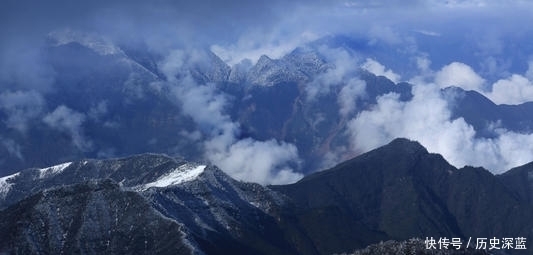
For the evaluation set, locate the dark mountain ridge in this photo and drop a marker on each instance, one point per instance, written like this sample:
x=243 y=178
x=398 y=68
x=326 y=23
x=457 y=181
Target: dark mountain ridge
x=395 y=192
x=89 y=218
x=400 y=191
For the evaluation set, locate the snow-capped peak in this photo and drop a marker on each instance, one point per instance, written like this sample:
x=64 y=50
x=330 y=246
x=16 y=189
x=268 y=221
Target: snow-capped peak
x=183 y=173
x=95 y=42
x=5 y=186
x=53 y=170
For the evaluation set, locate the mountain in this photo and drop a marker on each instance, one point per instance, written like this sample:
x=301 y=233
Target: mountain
x=520 y=180
x=371 y=193
x=110 y=100
x=153 y=202
x=401 y=191
x=94 y=218
x=481 y=113
x=122 y=104
x=141 y=203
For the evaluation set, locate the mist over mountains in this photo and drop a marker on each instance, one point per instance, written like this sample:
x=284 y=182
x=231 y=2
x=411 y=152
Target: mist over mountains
x=301 y=84
x=263 y=127
x=271 y=121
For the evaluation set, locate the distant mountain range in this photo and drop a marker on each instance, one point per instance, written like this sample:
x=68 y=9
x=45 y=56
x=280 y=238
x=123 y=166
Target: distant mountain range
x=120 y=104
x=153 y=203
x=82 y=191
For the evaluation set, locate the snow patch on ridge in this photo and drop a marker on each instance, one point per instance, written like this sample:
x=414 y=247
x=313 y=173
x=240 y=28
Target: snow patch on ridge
x=53 y=170
x=5 y=186
x=184 y=173
x=95 y=42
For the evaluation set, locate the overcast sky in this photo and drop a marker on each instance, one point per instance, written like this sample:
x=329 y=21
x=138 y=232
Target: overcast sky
x=274 y=27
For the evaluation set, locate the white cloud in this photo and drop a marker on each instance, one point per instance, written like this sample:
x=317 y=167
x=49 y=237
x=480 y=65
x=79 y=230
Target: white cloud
x=379 y=33
x=98 y=111
x=516 y=89
x=428 y=33
x=70 y=121
x=348 y=95
x=376 y=68
x=427 y=119
x=21 y=107
x=423 y=64
x=259 y=161
x=252 y=46
x=459 y=75
x=529 y=72
x=12 y=147
x=343 y=68
x=265 y=162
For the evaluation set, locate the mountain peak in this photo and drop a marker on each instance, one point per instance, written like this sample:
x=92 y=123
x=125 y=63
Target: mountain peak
x=264 y=59
x=406 y=145
x=95 y=42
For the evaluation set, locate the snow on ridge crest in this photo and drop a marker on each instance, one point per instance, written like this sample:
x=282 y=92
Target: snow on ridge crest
x=53 y=170
x=184 y=173
x=6 y=186
x=92 y=41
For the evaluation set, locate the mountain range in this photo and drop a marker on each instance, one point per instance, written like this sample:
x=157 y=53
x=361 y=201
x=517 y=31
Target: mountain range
x=155 y=203
x=126 y=149
x=128 y=106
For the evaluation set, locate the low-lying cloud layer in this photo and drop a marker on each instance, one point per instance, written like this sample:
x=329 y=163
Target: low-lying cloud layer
x=513 y=89
x=427 y=119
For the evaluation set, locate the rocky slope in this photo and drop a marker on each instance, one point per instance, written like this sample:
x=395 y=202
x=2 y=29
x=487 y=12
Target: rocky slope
x=155 y=203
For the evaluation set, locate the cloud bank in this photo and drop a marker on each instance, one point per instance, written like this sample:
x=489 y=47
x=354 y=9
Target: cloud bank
x=427 y=119
x=460 y=75
x=512 y=90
